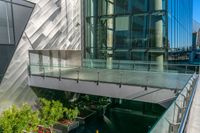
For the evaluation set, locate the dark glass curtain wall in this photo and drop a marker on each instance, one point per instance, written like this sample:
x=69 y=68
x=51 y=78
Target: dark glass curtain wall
x=139 y=30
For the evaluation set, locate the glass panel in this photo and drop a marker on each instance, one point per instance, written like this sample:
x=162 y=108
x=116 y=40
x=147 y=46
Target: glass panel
x=122 y=6
x=172 y=118
x=139 y=5
x=140 y=31
x=179 y=29
x=6 y=24
x=122 y=33
x=122 y=23
x=21 y=16
x=44 y=63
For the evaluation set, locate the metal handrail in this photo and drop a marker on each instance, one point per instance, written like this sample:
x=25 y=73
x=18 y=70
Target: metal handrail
x=176 y=123
x=187 y=112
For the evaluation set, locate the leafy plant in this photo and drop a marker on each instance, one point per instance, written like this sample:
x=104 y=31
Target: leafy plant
x=103 y=100
x=71 y=114
x=50 y=112
x=86 y=98
x=15 y=120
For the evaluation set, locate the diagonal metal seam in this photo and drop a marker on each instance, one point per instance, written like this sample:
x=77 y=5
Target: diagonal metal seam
x=28 y=40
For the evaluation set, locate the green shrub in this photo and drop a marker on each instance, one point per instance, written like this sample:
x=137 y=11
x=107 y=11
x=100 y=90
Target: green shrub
x=15 y=120
x=72 y=114
x=50 y=112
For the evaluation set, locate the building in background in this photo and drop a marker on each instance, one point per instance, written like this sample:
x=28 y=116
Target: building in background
x=137 y=30
x=195 y=53
x=195 y=26
x=196 y=40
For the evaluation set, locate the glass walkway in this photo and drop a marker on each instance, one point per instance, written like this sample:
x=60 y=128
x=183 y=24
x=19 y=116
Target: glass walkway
x=140 y=81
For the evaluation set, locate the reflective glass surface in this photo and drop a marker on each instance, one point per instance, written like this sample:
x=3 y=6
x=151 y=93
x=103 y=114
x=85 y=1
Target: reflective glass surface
x=139 y=30
x=67 y=64
x=179 y=28
x=6 y=24
x=115 y=28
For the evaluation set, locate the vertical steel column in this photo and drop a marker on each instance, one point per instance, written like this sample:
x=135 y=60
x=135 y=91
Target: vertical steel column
x=159 y=57
x=110 y=24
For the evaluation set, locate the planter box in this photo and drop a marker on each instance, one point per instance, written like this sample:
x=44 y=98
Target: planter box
x=86 y=115
x=62 y=128
x=42 y=129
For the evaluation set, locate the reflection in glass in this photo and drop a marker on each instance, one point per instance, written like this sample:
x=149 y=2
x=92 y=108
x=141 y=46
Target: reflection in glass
x=6 y=24
x=141 y=30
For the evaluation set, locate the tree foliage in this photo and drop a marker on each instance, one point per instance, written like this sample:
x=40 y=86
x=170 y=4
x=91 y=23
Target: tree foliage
x=71 y=114
x=15 y=120
x=50 y=112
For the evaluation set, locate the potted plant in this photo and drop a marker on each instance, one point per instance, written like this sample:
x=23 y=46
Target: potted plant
x=69 y=122
x=85 y=115
x=50 y=113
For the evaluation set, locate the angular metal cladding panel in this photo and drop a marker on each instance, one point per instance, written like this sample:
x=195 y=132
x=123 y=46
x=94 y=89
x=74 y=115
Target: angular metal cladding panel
x=52 y=24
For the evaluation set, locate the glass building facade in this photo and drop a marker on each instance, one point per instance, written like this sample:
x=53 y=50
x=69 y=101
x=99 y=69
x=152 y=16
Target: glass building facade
x=138 y=30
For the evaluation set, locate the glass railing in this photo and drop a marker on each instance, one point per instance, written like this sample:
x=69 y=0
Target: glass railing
x=164 y=80
x=140 y=66
x=69 y=64
x=171 y=120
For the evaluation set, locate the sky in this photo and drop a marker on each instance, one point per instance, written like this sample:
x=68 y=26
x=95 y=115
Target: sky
x=196 y=10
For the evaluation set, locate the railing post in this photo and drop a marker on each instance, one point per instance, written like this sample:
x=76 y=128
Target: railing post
x=29 y=70
x=147 y=83
x=133 y=66
x=149 y=66
x=98 y=78
x=186 y=68
x=120 y=82
x=43 y=72
x=78 y=74
x=184 y=100
x=119 y=64
x=173 y=127
x=196 y=70
x=180 y=114
x=60 y=76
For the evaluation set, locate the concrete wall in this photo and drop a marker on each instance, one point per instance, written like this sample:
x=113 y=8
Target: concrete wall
x=54 y=24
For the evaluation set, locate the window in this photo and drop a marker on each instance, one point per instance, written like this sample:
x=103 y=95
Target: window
x=6 y=24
